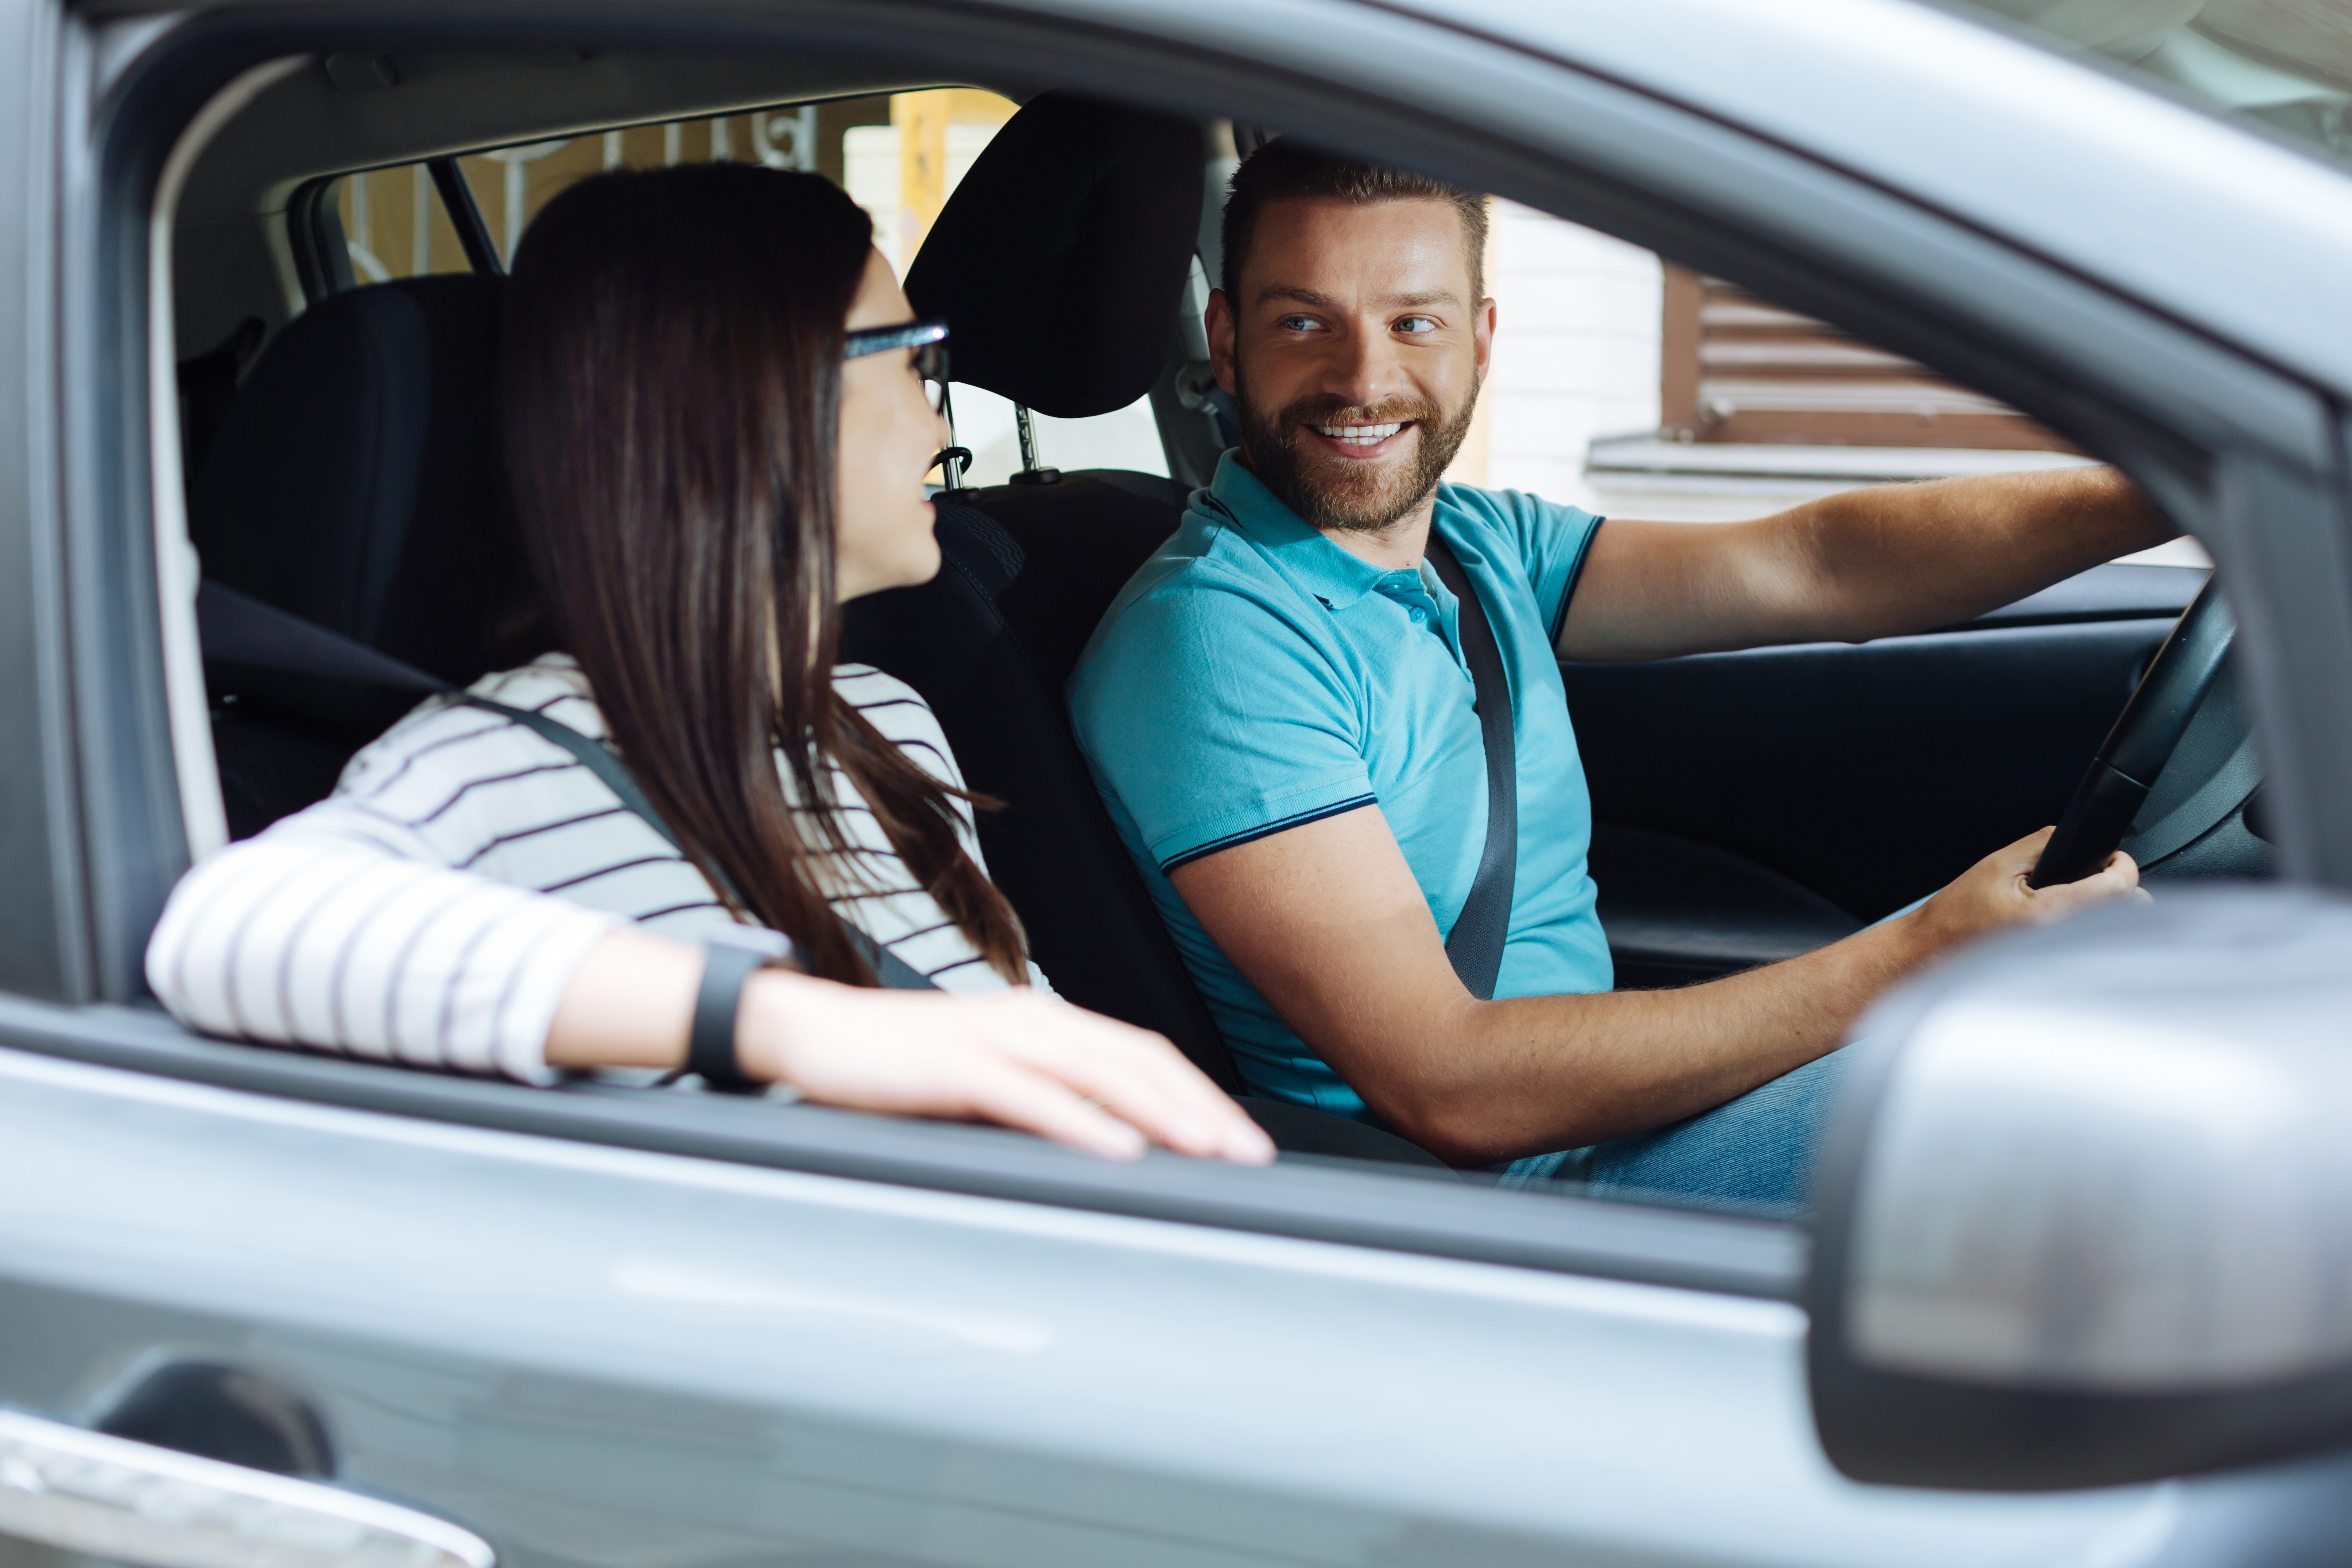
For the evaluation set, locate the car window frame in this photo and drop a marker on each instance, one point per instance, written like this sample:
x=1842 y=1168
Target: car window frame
x=1699 y=192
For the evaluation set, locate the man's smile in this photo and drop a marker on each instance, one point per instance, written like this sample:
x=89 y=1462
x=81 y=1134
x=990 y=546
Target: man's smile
x=1361 y=441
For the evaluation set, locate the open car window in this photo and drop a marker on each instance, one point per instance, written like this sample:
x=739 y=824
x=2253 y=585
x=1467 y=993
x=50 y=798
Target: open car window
x=1636 y=387
x=1624 y=384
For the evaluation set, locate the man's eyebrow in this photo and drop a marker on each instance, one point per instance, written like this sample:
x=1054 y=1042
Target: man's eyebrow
x=1294 y=295
x=1309 y=298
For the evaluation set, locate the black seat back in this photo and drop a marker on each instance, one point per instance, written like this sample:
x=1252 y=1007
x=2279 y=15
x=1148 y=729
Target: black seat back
x=1059 y=263
x=356 y=483
x=991 y=643
x=1050 y=845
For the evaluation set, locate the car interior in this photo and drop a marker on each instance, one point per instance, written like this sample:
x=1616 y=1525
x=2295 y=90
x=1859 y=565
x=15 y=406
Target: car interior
x=341 y=467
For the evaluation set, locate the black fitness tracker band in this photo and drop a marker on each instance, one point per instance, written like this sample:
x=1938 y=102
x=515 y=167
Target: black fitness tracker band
x=734 y=955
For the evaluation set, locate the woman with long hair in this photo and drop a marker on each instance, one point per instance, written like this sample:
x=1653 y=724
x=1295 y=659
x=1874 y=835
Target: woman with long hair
x=716 y=426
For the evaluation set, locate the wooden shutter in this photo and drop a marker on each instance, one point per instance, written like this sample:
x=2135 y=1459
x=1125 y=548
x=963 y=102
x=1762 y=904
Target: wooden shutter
x=1739 y=368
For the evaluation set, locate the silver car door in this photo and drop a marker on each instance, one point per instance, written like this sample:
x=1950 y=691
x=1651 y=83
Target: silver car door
x=603 y=1356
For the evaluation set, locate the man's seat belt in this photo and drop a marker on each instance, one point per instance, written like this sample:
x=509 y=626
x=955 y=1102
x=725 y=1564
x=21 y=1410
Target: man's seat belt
x=1475 y=946
x=240 y=629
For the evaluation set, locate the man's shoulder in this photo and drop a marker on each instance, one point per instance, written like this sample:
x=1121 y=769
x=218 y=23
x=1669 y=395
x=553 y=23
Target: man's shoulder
x=1523 y=536
x=1206 y=580
x=1509 y=509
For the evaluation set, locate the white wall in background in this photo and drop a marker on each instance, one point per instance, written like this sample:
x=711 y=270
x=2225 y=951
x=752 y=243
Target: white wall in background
x=1127 y=439
x=1576 y=350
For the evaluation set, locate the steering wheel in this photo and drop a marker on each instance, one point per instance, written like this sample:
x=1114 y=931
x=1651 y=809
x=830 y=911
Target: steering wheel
x=2100 y=816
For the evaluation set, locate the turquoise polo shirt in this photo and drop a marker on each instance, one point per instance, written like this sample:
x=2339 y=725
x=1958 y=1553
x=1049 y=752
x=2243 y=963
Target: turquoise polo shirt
x=1253 y=676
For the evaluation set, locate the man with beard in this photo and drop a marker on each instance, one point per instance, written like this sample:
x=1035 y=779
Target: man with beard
x=1281 y=720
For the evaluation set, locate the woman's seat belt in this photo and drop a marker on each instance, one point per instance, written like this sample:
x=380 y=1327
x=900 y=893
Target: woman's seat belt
x=246 y=630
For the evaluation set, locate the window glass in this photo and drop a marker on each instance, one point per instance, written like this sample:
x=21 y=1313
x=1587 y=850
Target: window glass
x=1636 y=388
x=395 y=225
x=1730 y=818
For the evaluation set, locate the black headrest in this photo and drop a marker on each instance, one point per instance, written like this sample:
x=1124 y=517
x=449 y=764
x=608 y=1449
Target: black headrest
x=1061 y=259
x=356 y=480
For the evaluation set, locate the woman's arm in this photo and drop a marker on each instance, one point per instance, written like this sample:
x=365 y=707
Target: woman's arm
x=314 y=936
x=317 y=937
x=1015 y=1057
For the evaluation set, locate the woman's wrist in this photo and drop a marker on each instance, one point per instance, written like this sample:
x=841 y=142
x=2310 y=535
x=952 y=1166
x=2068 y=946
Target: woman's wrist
x=773 y=1020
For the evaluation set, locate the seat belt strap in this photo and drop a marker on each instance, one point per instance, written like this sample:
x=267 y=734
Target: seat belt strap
x=1474 y=945
x=242 y=629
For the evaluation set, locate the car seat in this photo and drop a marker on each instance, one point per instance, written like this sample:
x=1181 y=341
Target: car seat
x=1059 y=263
x=355 y=482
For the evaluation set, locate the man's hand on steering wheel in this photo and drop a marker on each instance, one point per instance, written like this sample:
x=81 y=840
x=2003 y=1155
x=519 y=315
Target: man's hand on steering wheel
x=2062 y=869
x=1997 y=891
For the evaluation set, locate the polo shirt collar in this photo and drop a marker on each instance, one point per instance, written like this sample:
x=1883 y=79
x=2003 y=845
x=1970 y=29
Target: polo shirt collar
x=1300 y=550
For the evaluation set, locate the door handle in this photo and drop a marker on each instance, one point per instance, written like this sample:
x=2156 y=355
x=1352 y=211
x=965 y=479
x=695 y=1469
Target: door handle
x=132 y=1502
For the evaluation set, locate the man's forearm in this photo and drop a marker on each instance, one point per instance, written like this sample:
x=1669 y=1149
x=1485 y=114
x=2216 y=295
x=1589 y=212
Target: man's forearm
x=1328 y=922
x=1534 y=1074
x=1900 y=558
x=1851 y=566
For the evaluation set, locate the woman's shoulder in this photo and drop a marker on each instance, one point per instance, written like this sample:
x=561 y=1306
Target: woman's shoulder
x=875 y=692
x=441 y=737
x=552 y=684
x=899 y=713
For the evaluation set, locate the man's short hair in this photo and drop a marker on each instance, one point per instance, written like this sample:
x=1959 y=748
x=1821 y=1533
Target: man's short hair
x=1282 y=170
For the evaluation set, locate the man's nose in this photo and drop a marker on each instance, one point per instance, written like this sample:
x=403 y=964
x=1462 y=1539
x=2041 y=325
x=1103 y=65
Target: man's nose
x=1366 y=371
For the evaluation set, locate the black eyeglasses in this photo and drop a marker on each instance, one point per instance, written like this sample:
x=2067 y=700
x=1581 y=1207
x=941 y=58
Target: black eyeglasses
x=928 y=339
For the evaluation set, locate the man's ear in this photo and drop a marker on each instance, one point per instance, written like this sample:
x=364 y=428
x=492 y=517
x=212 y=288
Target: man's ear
x=1482 y=338
x=1222 y=326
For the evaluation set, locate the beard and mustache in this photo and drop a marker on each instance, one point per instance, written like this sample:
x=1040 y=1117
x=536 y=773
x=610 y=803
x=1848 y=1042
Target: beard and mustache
x=1334 y=494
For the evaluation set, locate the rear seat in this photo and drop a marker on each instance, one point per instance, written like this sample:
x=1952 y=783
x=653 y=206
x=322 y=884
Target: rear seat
x=356 y=483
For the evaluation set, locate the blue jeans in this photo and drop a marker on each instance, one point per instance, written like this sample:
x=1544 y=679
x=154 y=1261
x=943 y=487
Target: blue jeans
x=1756 y=1151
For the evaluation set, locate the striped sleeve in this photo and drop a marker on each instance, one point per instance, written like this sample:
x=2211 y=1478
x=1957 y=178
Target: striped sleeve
x=318 y=939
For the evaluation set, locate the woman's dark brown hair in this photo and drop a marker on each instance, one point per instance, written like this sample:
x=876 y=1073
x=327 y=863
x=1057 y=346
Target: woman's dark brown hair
x=670 y=387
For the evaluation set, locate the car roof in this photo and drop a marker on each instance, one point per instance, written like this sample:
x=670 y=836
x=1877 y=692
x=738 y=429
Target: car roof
x=2215 y=223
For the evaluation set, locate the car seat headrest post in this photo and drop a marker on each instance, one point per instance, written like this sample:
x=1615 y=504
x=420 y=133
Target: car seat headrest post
x=1030 y=473
x=956 y=458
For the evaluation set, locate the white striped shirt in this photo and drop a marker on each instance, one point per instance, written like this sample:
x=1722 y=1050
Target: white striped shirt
x=432 y=910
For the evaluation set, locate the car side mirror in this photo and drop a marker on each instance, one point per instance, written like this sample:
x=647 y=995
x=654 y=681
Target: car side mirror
x=2085 y=1216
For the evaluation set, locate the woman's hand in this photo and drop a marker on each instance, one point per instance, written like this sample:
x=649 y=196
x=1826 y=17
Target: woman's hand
x=1019 y=1057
